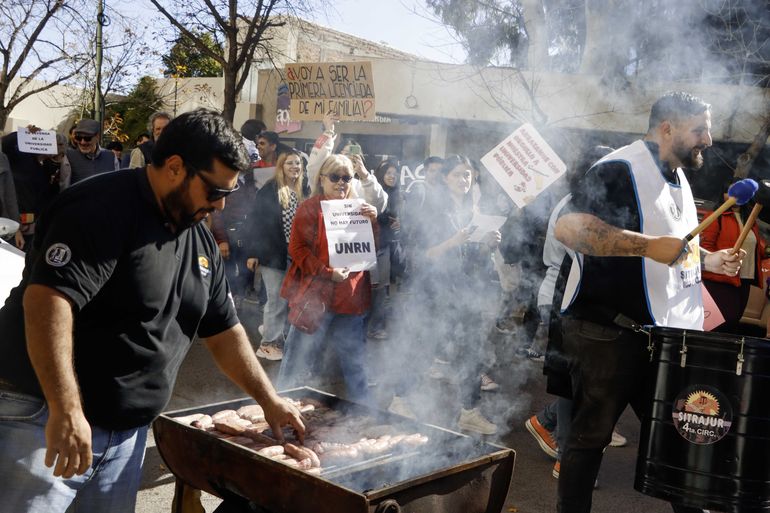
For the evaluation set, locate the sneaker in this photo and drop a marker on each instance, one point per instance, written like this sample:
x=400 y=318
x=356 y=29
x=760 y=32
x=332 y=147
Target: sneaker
x=535 y=355
x=488 y=384
x=473 y=420
x=270 y=352
x=557 y=470
x=618 y=440
x=440 y=370
x=545 y=438
x=377 y=335
x=399 y=407
x=506 y=326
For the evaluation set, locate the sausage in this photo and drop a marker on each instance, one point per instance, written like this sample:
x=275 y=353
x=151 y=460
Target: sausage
x=252 y=412
x=415 y=440
x=204 y=422
x=271 y=451
x=220 y=415
x=302 y=453
x=189 y=419
x=232 y=425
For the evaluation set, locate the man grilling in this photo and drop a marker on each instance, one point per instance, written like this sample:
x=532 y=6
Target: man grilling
x=627 y=218
x=121 y=276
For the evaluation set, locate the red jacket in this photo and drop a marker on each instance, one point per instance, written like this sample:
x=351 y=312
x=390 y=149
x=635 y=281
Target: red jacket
x=309 y=257
x=722 y=234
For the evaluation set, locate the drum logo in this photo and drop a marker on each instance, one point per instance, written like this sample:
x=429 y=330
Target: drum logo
x=702 y=414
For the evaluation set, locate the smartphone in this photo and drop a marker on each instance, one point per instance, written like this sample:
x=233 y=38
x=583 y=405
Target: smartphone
x=354 y=149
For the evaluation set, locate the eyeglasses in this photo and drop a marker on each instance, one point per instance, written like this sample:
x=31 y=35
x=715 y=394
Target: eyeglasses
x=337 y=178
x=216 y=193
x=80 y=138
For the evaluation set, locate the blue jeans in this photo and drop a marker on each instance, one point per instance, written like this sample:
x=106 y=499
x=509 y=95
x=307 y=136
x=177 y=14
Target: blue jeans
x=109 y=486
x=345 y=336
x=276 y=308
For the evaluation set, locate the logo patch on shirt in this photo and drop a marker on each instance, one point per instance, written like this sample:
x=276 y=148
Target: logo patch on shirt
x=203 y=264
x=58 y=254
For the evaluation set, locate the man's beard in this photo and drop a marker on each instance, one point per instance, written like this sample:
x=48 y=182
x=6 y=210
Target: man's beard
x=178 y=211
x=691 y=158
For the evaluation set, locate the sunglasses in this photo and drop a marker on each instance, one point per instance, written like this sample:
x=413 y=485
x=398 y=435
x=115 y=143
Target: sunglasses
x=216 y=193
x=337 y=178
x=80 y=138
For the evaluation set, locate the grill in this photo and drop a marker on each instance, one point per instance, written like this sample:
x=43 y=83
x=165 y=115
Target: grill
x=450 y=473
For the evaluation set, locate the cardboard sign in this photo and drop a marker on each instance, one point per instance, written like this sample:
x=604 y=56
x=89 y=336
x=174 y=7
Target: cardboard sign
x=344 y=88
x=42 y=142
x=283 y=121
x=350 y=236
x=484 y=224
x=524 y=165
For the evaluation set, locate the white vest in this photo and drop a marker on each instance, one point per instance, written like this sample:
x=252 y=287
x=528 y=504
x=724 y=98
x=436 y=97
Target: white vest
x=673 y=293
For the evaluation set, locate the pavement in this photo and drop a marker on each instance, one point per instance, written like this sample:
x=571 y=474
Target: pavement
x=521 y=394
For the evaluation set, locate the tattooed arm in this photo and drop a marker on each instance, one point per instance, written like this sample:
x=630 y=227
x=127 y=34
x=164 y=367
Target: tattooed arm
x=590 y=235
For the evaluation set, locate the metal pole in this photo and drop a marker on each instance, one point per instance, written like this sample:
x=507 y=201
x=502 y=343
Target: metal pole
x=98 y=103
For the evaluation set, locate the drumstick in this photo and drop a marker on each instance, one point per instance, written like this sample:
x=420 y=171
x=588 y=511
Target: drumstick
x=747 y=227
x=740 y=193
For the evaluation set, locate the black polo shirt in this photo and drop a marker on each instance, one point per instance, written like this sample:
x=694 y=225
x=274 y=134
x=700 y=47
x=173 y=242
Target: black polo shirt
x=611 y=285
x=139 y=293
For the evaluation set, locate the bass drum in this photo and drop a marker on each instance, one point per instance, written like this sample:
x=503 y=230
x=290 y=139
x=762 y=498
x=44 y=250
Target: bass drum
x=705 y=442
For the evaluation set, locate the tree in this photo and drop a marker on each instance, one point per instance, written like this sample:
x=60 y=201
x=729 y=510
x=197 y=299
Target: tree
x=136 y=108
x=186 y=60
x=35 y=45
x=238 y=29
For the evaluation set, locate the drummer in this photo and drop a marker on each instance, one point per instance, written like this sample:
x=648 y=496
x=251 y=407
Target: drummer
x=627 y=218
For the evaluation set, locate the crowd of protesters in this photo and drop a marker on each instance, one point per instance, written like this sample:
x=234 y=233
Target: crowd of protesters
x=437 y=292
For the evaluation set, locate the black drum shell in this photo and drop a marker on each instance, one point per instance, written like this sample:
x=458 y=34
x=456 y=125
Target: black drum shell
x=733 y=473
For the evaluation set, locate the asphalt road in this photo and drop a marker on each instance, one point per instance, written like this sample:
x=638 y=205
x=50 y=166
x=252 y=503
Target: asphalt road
x=533 y=489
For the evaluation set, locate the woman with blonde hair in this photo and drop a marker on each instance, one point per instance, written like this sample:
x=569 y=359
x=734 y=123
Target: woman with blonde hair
x=273 y=214
x=322 y=299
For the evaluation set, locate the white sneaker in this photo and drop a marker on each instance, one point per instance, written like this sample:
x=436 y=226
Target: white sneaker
x=399 y=407
x=618 y=440
x=488 y=384
x=270 y=352
x=473 y=420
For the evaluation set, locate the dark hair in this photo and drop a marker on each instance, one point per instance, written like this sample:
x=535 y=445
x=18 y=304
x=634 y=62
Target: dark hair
x=270 y=137
x=251 y=128
x=675 y=106
x=588 y=158
x=141 y=136
x=432 y=160
x=380 y=171
x=452 y=161
x=199 y=137
x=115 y=145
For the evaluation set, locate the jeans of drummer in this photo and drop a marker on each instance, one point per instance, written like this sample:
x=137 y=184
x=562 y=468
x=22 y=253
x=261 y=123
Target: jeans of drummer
x=109 y=486
x=276 y=307
x=608 y=367
x=342 y=333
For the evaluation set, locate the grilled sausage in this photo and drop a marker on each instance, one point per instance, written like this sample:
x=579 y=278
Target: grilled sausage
x=221 y=415
x=302 y=453
x=252 y=412
x=232 y=425
x=189 y=419
x=271 y=451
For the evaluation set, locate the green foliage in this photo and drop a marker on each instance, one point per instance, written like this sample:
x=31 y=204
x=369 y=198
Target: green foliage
x=186 y=60
x=137 y=107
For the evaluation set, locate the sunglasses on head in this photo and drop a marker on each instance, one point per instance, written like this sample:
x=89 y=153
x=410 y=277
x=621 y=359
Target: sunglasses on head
x=336 y=178
x=82 y=137
x=216 y=193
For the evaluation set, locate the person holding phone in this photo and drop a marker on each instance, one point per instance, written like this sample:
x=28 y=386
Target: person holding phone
x=449 y=277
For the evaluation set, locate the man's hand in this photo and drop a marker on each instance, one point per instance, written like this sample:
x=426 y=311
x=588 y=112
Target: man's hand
x=279 y=413
x=340 y=274
x=492 y=239
x=18 y=238
x=724 y=262
x=68 y=443
x=224 y=249
x=252 y=264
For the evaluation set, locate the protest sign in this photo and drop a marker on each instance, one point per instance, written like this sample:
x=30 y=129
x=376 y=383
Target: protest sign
x=41 y=142
x=344 y=88
x=349 y=234
x=524 y=165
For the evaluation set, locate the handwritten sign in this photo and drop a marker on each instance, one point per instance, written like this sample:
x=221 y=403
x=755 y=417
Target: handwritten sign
x=524 y=165
x=344 y=88
x=42 y=142
x=350 y=236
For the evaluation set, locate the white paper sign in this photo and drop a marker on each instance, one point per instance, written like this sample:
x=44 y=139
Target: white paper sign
x=42 y=142
x=350 y=235
x=524 y=165
x=11 y=266
x=262 y=175
x=484 y=224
